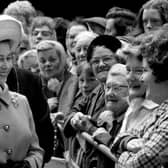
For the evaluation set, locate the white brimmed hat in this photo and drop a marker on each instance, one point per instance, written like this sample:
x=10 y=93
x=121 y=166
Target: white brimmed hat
x=11 y=29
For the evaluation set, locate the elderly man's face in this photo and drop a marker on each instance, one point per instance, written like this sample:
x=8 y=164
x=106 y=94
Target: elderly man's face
x=101 y=62
x=6 y=61
x=41 y=33
x=50 y=63
x=116 y=94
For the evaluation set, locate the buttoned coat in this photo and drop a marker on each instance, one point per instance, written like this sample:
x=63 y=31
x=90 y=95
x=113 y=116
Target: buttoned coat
x=18 y=138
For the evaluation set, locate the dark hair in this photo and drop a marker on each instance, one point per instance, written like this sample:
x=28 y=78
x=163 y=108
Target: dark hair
x=61 y=26
x=116 y=12
x=110 y=42
x=84 y=68
x=156 y=53
x=121 y=27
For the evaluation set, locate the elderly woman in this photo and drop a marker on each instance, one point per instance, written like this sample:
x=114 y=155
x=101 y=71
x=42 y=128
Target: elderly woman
x=152 y=15
x=19 y=145
x=150 y=148
x=82 y=41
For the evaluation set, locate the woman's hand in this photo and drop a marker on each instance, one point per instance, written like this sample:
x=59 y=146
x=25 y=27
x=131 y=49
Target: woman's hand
x=80 y=121
x=135 y=145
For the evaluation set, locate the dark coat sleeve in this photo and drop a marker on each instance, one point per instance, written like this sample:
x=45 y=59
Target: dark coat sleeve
x=30 y=85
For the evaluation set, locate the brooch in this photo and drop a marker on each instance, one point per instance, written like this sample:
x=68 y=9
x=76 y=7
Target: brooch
x=14 y=101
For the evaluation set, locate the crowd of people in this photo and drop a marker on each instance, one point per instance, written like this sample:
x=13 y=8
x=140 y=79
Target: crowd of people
x=104 y=76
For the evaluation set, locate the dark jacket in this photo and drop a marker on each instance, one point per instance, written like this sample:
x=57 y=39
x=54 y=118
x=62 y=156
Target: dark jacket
x=91 y=105
x=30 y=85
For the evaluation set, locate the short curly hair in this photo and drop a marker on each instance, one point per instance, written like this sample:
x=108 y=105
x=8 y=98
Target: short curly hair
x=156 y=53
x=23 y=8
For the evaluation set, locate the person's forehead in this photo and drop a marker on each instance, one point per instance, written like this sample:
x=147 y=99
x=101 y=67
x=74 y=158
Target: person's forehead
x=83 y=41
x=49 y=51
x=4 y=47
x=100 y=51
x=151 y=12
x=76 y=29
x=42 y=28
x=116 y=79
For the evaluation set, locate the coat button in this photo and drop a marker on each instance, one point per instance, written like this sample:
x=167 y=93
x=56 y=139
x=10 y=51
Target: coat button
x=9 y=151
x=6 y=128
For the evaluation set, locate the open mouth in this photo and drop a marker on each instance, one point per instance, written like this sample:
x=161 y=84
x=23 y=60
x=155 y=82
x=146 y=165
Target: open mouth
x=112 y=99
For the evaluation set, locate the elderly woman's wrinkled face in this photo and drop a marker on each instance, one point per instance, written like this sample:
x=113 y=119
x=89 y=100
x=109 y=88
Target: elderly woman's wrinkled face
x=6 y=61
x=50 y=63
x=151 y=19
x=71 y=34
x=81 y=49
x=102 y=60
x=116 y=94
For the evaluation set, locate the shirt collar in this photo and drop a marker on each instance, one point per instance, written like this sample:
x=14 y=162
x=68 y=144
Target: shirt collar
x=5 y=96
x=149 y=104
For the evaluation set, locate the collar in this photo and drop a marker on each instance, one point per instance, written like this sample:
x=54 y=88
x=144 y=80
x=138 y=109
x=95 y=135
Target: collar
x=5 y=96
x=149 y=104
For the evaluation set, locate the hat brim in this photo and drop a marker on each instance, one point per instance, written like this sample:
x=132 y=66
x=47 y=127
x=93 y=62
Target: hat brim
x=10 y=29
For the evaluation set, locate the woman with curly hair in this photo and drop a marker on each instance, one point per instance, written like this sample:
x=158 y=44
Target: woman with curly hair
x=149 y=149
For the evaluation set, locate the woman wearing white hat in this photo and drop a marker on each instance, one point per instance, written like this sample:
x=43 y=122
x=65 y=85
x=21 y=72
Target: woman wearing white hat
x=19 y=145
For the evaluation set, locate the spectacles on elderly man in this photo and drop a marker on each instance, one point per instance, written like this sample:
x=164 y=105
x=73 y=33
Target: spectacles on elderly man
x=115 y=87
x=104 y=59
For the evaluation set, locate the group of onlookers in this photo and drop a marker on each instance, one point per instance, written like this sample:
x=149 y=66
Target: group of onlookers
x=106 y=76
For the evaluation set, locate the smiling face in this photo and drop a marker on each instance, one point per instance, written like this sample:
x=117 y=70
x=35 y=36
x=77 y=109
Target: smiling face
x=50 y=63
x=102 y=60
x=148 y=78
x=71 y=34
x=82 y=41
x=87 y=82
x=134 y=71
x=116 y=94
x=6 y=61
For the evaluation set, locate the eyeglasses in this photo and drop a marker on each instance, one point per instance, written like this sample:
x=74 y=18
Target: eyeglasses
x=136 y=70
x=116 y=88
x=43 y=33
x=104 y=59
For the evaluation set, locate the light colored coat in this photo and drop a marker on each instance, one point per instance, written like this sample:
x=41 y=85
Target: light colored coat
x=18 y=138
